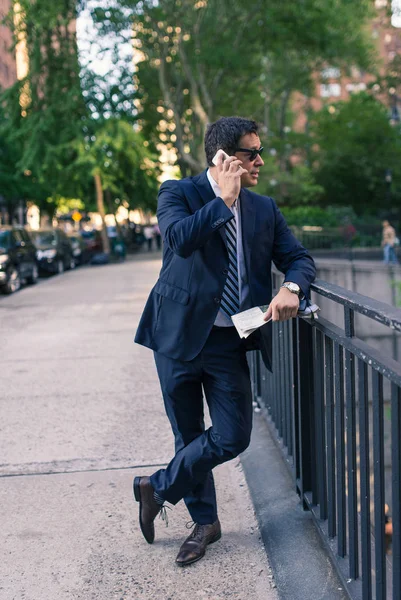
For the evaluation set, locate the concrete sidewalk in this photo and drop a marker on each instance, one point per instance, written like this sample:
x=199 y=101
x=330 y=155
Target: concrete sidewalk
x=82 y=414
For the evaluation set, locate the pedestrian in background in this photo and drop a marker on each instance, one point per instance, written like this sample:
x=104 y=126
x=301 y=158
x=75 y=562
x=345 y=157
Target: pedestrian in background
x=157 y=236
x=148 y=233
x=389 y=240
x=219 y=242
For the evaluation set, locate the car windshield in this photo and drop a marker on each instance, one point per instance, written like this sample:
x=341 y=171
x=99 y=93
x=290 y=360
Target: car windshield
x=4 y=239
x=44 y=238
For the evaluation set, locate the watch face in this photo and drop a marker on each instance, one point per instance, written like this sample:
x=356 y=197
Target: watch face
x=293 y=287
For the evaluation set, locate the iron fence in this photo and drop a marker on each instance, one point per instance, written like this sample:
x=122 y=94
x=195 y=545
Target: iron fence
x=334 y=405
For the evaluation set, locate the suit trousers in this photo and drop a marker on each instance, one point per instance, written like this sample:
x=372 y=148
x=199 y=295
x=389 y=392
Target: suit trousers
x=220 y=372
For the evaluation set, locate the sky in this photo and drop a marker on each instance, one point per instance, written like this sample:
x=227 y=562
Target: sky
x=93 y=48
x=396 y=8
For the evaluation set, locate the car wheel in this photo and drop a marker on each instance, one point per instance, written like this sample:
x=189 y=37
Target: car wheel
x=33 y=278
x=60 y=267
x=14 y=282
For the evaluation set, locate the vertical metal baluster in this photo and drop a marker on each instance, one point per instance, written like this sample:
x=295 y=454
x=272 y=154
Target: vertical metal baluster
x=320 y=427
x=305 y=401
x=281 y=379
x=290 y=390
x=295 y=392
x=283 y=384
x=277 y=397
x=331 y=464
x=378 y=469
x=340 y=449
x=351 y=465
x=274 y=375
x=396 y=487
x=287 y=388
x=252 y=370
x=364 y=475
x=349 y=327
x=258 y=358
x=252 y=367
x=266 y=391
x=314 y=472
x=270 y=380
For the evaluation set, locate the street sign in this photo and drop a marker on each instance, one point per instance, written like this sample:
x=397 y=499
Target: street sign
x=76 y=216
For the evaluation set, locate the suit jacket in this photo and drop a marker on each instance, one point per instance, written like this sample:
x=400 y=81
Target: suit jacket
x=183 y=305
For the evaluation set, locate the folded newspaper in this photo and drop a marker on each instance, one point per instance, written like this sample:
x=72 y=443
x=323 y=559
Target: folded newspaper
x=247 y=321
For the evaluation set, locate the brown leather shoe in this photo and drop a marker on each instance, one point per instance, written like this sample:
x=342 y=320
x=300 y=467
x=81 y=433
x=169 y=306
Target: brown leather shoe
x=148 y=507
x=194 y=547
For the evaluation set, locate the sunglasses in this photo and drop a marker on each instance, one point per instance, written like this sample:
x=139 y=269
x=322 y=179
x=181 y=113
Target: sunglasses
x=252 y=152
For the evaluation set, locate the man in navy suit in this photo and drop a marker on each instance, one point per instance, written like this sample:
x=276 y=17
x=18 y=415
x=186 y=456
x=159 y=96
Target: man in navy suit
x=219 y=242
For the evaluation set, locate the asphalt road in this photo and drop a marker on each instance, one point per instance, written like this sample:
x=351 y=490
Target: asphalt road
x=81 y=414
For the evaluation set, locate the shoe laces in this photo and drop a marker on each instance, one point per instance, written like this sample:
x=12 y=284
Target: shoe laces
x=198 y=529
x=163 y=515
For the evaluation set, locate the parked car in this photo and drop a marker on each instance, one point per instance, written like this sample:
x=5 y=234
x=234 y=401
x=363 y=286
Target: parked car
x=80 y=249
x=54 y=252
x=93 y=241
x=17 y=259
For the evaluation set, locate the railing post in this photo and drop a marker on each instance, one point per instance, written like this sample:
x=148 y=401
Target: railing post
x=396 y=487
x=352 y=493
x=320 y=424
x=305 y=413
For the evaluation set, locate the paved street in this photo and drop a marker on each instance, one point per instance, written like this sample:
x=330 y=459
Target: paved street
x=81 y=415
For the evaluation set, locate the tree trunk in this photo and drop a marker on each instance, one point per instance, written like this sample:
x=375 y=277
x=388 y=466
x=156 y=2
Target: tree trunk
x=100 y=208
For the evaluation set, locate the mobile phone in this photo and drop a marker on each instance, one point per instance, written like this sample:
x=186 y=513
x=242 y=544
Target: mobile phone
x=219 y=153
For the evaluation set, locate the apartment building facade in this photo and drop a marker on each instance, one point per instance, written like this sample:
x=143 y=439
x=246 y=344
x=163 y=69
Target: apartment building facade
x=332 y=85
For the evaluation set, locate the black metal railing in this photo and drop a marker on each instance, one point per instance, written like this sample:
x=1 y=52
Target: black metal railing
x=334 y=405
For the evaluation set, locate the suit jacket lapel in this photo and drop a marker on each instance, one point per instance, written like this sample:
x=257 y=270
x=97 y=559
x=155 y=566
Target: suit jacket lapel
x=201 y=182
x=206 y=193
x=248 y=215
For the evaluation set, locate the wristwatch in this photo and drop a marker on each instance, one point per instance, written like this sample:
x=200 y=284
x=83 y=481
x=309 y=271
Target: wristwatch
x=293 y=287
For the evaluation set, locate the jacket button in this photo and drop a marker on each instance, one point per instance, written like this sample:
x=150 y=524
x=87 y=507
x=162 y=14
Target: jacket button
x=225 y=271
x=217 y=300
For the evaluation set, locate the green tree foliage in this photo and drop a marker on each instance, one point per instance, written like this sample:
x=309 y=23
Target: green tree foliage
x=357 y=146
x=66 y=132
x=204 y=59
x=293 y=186
x=47 y=106
x=114 y=150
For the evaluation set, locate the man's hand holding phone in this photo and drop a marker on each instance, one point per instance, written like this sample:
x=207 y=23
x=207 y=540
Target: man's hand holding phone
x=228 y=175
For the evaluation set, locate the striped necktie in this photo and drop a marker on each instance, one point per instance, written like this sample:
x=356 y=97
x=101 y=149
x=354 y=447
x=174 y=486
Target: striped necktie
x=230 y=298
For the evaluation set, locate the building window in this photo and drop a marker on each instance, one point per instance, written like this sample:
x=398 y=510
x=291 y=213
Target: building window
x=331 y=73
x=330 y=89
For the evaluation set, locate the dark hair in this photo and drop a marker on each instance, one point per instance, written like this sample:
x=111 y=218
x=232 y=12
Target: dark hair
x=225 y=133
